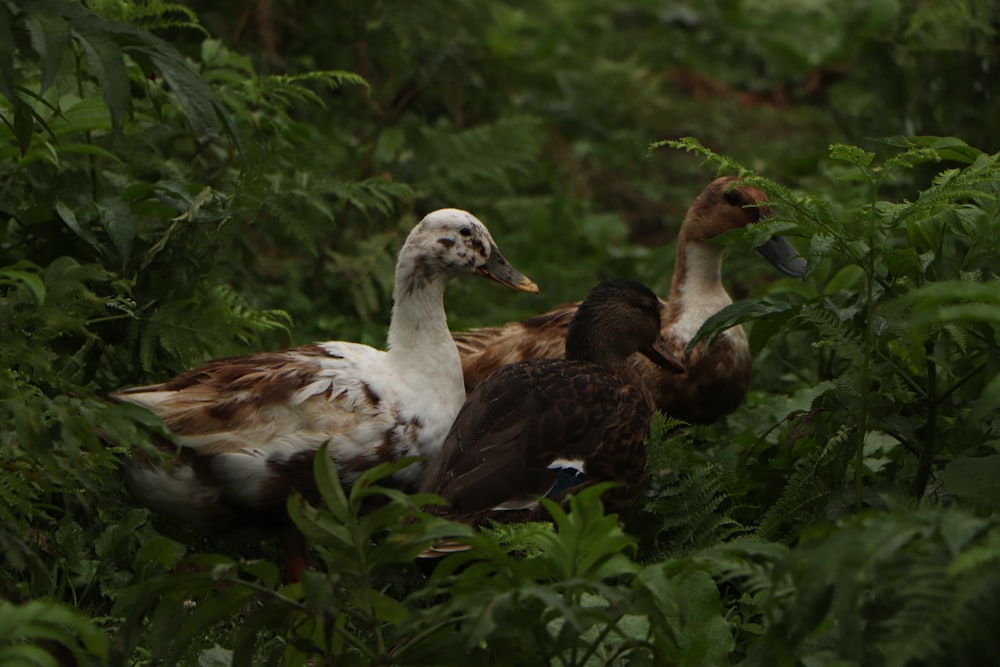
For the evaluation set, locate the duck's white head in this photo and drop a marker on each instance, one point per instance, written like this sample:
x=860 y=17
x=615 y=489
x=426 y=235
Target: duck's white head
x=450 y=242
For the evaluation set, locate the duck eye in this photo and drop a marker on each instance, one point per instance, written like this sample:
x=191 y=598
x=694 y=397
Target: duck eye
x=465 y=231
x=733 y=197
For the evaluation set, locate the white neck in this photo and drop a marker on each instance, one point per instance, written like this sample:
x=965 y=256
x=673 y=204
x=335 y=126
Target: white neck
x=697 y=286
x=423 y=357
x=418 y=330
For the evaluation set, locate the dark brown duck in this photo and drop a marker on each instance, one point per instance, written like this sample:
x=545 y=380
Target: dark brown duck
x=548 y=427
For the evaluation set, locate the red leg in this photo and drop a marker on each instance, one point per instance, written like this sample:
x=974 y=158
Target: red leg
x=296 y=555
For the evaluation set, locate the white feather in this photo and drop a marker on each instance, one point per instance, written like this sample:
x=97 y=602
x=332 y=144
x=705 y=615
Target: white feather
x=365 y=404
x=701 y=291
x=572 y=464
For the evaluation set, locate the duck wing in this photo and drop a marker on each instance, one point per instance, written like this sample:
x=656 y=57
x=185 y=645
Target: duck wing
x=486 y=350
x=250 y=426
x=523 y=428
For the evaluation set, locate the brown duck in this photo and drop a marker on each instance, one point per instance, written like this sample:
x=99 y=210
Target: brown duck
x=718 y=375
x=548 y=427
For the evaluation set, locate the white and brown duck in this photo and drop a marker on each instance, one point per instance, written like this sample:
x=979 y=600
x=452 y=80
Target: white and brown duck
x=718 y=375
x=249 y=427
x=545 y=428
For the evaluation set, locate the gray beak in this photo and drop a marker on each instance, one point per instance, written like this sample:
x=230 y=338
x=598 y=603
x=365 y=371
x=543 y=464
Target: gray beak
x=783 y=256
x=499 y=269
x=660 y=354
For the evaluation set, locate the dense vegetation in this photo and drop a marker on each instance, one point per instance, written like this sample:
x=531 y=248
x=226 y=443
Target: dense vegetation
x=184 y=182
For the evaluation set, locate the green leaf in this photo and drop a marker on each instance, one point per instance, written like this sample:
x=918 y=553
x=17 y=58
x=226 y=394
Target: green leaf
x=116 y=218
x=43 y=620
x=944 y=148
x=30 y=279
x=587 y=543
x=933 y=303
x=383 y=607
x=106 y=58
x=195 y=96
x=166 y=619
x=328 y=483
x=737 y=313
x=317 y=525
x=7 y=76
x=80 y=116
x=689 y=607
x=988 y=402
x=750 y=237
x=225 y=602
x=49 y=38
x=68 y=216
x=24 y=126
x=26 y=655
x=271 y=615
x=974 y=480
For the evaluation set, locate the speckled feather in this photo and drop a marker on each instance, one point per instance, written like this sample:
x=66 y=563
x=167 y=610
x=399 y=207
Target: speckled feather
x=717 y=376
x=248 y=427
x=533 y=421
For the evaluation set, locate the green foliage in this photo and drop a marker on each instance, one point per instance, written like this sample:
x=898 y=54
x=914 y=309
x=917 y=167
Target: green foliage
x=181 y=182
x=36 y=632
x=121 y=180
x=691 y=503
x=913 y=345
x=559 y=604
x=894 y=588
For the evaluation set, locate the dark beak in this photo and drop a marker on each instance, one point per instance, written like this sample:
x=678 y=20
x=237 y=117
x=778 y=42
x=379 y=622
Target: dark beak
x=499 y=269
x=783 y=256
x=658 y=353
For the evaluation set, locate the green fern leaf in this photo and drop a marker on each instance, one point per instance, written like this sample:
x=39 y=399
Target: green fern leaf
x=488 y=152
x=108 y=62
x=804 y=496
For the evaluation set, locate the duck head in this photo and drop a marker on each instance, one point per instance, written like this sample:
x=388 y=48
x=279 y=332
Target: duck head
x=726 y=204
x=617 y=318
x=452 y=242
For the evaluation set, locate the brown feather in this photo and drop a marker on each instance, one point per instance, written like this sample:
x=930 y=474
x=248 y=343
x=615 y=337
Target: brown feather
x=520 y=430
x=717 y=376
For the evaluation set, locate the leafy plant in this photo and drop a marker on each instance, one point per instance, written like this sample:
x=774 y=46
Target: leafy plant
x=37 y=632
x=184 y=182
x=894 y=588
x=121 y=179
x=565 y=603
x=911 y=376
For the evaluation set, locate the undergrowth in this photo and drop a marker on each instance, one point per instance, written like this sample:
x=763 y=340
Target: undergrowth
x=166 y=197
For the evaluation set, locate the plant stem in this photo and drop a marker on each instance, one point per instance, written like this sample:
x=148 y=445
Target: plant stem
x=926 y=459
x=863 y=390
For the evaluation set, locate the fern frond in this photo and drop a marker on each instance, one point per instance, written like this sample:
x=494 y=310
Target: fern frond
x=883 y=588
x=281 y=91
x=490 y=152
x=747 y=560
x=689 y=504
x=369 y=270
x=38 y=623
x=909 y=635
x=693 y=510
x=805 y=495
x=692 y=145
x=372 y=196
x=840 y=335
x=188 y=330
x=520 y=538
x=149 y=15
x=935 y=200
